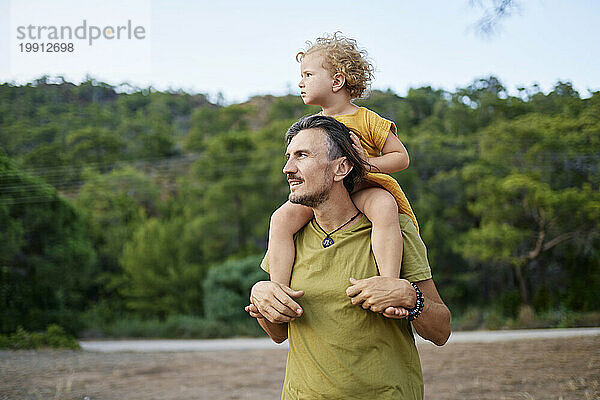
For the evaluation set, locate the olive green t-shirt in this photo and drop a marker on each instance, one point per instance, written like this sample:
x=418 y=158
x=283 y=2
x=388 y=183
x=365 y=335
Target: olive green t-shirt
x=338 y=350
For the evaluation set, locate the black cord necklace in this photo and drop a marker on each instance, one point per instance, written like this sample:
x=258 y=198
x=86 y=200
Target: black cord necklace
x=328 y=241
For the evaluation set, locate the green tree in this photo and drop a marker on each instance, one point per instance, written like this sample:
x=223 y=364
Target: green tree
x=158 y=280
x=528 y=196
x=47 y=264
x=233 y=182
x=113 y=206
x=206 y=122
x=94 y=145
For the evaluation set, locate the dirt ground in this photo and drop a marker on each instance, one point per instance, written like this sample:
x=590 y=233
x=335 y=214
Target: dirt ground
x=525 y=370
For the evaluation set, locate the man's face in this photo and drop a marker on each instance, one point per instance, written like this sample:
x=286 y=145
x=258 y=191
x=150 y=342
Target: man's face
x=316 y=83
x=308 y=168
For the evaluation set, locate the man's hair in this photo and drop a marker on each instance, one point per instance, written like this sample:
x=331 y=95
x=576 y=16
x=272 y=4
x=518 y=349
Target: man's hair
x=342 y=55
x=339 y=144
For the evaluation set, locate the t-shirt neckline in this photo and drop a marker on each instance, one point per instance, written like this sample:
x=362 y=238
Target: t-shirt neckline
x=344 y=115
x=357 y=225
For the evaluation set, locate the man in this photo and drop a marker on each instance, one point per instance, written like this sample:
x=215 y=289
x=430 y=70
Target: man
x=338 y=350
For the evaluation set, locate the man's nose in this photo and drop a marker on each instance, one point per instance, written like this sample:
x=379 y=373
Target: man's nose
x=289 y=167
x=301 y=83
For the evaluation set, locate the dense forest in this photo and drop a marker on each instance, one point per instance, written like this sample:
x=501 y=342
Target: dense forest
x=134 y=212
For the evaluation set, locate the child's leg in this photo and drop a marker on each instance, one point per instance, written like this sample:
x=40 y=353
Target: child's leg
x=386 y=236
x=285 y=222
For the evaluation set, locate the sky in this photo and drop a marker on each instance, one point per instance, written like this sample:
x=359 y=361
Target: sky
x=247 y=48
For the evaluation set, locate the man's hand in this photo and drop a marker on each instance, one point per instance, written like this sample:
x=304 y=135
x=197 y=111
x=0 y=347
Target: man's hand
x=380 y=294
x=273 y=302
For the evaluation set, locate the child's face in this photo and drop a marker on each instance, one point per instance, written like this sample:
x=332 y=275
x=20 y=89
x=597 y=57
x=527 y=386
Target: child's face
x=316 y=83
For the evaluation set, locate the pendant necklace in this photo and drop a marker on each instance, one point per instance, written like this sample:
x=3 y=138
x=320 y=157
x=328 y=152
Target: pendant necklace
x=328 y=241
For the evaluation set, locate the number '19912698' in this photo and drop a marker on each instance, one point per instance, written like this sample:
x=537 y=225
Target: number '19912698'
x=46 y=47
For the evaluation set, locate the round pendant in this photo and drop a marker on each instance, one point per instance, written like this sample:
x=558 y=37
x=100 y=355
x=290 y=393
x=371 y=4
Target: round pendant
x=327 y=241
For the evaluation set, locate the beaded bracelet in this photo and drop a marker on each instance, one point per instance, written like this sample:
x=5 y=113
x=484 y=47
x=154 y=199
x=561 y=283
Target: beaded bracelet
x=414 y=312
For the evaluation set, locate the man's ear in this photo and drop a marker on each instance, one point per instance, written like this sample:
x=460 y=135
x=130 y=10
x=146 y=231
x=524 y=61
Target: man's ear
x=339 y=80
x=342 y=168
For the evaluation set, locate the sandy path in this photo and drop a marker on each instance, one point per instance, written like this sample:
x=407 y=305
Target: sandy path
x=266 y=344
x=566 y=368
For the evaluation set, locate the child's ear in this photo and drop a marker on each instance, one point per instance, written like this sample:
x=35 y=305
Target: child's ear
x=342 y=169
x=339 y=80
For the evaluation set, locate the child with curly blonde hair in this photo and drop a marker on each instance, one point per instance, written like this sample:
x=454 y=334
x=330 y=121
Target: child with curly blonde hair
x=334 y=71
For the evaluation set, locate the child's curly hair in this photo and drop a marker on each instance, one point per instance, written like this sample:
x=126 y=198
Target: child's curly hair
x=342 y=55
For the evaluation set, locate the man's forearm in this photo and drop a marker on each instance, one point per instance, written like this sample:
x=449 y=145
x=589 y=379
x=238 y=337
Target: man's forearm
x=378 y=293
x=434 y=322
x=277 y=332
x=272 y=303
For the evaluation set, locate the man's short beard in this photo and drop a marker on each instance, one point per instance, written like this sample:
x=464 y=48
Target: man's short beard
x=315 y=199
x=310 y=200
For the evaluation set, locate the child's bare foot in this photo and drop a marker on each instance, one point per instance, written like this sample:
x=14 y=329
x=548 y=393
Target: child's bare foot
x=395 y=312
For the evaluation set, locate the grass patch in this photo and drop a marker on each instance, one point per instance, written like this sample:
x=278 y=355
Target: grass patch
x=54 y=337
x=182 y=327
x=493 y=319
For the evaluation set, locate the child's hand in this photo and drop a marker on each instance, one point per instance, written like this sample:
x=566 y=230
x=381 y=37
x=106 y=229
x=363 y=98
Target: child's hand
x=358 y=147
x=395 y=312
x=253 y=311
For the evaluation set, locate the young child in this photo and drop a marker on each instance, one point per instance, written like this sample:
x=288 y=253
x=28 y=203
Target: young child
x=335 y=71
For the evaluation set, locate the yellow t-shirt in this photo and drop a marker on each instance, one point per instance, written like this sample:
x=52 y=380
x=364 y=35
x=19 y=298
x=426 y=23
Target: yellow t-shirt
x=373 y=131
x=338 y=350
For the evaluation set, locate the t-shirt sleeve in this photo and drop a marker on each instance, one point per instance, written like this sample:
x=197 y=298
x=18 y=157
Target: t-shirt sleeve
x=379 y=128
x=415 y=265
x=264 y=264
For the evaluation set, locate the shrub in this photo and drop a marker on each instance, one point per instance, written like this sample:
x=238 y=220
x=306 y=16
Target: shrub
x=182 y=327
x=55 y=337
x=468 y=321
x=227 y=288
x=493 y=321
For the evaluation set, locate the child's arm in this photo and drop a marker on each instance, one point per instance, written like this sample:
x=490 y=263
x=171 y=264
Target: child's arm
x=285 y=222
x=394 y=156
